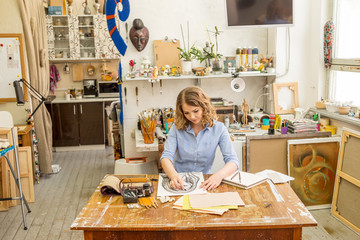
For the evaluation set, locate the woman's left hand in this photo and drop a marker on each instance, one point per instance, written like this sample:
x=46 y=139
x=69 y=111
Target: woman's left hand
x=212 y=182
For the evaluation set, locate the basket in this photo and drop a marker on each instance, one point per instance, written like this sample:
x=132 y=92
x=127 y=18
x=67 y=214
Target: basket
x=106 y=73
x=320 y=105
x=344 y=110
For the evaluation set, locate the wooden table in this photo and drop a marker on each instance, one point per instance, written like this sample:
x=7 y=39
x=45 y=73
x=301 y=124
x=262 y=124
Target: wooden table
x=109 y=218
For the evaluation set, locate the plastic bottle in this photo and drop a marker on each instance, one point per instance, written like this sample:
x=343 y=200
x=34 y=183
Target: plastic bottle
x=244 y=57
x=238 y=59
x=250 y=59
x=255 y=59
x=227 y=121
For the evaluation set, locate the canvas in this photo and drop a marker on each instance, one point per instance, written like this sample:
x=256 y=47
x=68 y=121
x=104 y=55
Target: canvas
x=312 y=163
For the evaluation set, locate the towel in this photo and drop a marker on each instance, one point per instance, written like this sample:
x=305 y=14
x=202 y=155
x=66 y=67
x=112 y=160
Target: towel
x=54 y=77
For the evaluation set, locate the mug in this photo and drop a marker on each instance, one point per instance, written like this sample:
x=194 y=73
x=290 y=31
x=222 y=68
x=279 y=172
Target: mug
x=85 y=54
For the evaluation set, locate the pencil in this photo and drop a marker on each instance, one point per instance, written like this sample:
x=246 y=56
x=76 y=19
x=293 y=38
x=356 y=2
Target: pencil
x=148 y=202
x=234 y=176
x=157 y=205
x=152 y=202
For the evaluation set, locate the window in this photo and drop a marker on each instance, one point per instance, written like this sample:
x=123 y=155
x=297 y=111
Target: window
x=344 y=83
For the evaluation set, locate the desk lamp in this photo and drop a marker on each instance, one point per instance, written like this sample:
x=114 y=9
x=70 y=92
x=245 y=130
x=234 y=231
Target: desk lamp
x=20 y=95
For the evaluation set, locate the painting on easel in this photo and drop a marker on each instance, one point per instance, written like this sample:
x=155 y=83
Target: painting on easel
x=312 y=162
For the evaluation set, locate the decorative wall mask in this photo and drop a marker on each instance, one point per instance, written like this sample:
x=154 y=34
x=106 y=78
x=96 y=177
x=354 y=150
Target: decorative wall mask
x=139 y=34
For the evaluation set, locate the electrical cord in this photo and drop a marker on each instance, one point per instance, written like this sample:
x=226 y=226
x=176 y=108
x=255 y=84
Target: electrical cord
x=287 y=54
x=257 y=100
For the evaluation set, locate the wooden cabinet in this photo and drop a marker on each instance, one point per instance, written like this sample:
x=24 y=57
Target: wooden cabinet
x=91 y=123
x=77 y=124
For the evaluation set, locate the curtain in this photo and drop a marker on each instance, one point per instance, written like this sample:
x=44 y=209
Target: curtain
x=35 y=38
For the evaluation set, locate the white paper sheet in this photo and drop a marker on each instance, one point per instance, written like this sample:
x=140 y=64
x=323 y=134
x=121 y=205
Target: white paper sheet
x=275 y=177
x=192 y=182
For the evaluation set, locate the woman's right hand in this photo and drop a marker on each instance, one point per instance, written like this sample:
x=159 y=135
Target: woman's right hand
x=177 y=182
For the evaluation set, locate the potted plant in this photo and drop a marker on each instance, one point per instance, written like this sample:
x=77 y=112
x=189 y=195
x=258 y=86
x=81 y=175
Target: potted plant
x=186 y=54
x=211 y=53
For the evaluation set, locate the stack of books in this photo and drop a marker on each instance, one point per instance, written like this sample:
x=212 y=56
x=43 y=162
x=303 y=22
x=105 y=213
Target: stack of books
x=301 y=125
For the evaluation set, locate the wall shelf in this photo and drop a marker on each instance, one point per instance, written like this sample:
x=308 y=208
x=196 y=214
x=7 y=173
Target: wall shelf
x=337 y=116
x=224 y=75
x=82 y=60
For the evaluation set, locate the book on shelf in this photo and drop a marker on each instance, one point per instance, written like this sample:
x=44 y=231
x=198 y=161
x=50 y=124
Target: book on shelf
x=247 y=180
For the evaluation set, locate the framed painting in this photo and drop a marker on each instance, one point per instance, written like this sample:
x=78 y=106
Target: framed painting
x=312 y=163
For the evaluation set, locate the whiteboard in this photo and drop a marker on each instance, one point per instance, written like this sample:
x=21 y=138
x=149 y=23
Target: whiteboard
x=11 y=65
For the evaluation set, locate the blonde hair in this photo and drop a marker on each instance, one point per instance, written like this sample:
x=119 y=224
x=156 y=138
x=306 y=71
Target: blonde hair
x=196 y=97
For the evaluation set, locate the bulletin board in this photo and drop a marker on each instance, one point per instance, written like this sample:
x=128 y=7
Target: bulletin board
x=12 y=65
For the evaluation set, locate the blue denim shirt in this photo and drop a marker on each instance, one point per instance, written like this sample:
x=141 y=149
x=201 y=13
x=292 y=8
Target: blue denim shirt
x=196 y=154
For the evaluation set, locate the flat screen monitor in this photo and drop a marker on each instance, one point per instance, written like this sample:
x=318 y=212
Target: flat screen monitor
x=242 y=13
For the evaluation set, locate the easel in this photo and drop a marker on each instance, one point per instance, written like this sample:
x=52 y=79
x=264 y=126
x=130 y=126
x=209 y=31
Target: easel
x=7 y=122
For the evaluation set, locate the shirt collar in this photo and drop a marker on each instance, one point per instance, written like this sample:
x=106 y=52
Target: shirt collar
x=190 y=130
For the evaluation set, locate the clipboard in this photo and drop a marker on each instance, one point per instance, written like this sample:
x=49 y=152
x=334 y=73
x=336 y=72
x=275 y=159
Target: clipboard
x=166 y=53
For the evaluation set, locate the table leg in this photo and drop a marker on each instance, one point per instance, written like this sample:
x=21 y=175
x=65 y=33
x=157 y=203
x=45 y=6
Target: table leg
x=297 y=233
x=88 y=235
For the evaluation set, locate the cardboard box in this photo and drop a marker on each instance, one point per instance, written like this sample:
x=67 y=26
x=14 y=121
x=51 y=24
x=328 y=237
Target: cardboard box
x=57 y=3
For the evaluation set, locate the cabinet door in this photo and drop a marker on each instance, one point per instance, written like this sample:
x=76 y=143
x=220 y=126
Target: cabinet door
x=60 y=32
x=86 y=34
x=91 y=123
x=65 y=125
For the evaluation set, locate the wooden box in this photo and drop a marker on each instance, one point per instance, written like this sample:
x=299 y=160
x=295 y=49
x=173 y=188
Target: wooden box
x=222 y=111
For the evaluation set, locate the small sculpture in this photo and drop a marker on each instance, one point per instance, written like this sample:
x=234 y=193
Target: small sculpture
x=245 y=109
x=139 y=34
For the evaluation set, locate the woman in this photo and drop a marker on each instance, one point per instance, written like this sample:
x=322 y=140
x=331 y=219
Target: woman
x=192 y=142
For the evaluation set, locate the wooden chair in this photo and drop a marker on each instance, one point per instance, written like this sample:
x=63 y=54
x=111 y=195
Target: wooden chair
x=6 y=121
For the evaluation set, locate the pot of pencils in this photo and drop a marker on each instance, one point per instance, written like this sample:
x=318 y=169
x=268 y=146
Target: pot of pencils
x=148 y=125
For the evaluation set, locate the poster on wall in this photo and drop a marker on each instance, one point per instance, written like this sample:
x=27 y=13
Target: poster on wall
x=312 y=163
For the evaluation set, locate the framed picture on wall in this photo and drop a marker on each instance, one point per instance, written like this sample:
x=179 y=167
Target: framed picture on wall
x=312 y=163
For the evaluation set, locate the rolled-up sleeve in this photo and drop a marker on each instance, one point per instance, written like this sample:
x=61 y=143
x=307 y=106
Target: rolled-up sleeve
x=227 y=148
x=170 y=145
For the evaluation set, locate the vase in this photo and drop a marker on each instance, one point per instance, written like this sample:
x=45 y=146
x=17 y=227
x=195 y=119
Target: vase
x=186 y=67
x=217 y=66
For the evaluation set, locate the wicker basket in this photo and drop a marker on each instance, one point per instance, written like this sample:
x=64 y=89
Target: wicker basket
x=320 y=105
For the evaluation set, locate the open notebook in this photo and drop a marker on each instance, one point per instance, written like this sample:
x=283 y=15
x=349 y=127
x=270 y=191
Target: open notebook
x=244 y=179
x=248 y=180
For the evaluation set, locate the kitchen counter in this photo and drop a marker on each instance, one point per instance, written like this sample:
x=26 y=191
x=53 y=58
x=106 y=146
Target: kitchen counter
x=96 y=99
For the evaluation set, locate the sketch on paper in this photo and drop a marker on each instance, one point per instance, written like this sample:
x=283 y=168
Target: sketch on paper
x=192 y=181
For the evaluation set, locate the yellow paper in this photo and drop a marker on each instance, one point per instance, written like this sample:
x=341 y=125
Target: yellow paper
x=187 y=206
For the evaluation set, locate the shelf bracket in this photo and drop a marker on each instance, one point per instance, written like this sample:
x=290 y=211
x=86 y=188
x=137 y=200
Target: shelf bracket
x=198 y=82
